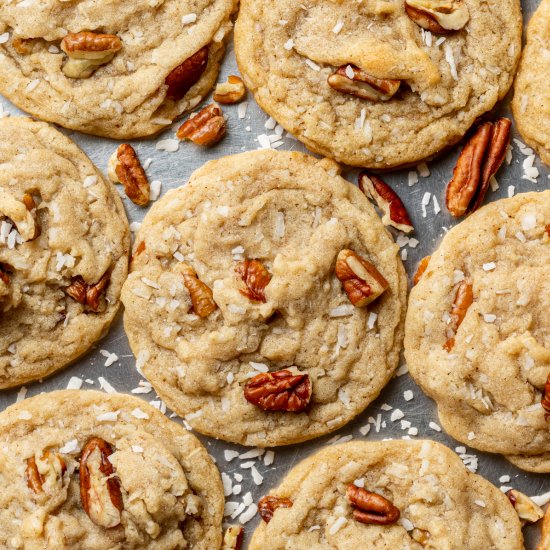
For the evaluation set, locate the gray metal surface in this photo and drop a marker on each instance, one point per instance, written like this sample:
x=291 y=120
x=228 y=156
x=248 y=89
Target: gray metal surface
x=173 y=169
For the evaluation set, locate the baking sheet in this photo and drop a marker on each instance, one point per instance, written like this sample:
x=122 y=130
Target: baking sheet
x=173 y=169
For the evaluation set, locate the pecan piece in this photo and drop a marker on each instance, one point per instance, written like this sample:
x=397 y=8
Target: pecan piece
x=371 y=507
x=281 y=390
x=19 y=215
x=268 y=504
x=362 y=282
x=422 y=266
x=50 y=470
x=99 y=486
x=206 y=128
x=22 y=46
x=395 y=213
x=545 y=399
x=527 y=510
x=421 y=536
x=231 y=91
x=85 y=294
x=233 y=538
x=201 y=295
x=464 y=298
x=480 y=159
x=5 y=273
x=352 y=80
x=438 y=16
x=87 y=51
x=185 y=76
x=125 y=167
x=256 y=277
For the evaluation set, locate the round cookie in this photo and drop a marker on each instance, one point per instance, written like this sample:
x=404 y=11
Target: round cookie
x=293 y=214
x=531 y=104
x=447 y=82
x=139 y=80
x=57 y=451
x=487 y=372
x=441 y=504
x=64 y=243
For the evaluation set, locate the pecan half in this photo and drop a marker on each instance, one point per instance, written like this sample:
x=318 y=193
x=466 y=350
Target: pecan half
x=206 y=128
x=395 y=213
x=50 y=469
x=464 y=298
x=256 y=277
x=233 y=538
x=268 y=504
x=279 y=391
x=125 y=168
x=201 y=295
x=527 y=510
x=99 y=486
x=362 y=282
x=480 y=159
x=87 y=51
x=185 y=76
x=352 y=80
x=545 y=399
x=85 y=294
x=422 y=266
x=231 y=91
x=371 y=507
x=438 y=16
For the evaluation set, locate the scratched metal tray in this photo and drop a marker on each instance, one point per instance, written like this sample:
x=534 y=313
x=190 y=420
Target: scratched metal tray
x=173 y=169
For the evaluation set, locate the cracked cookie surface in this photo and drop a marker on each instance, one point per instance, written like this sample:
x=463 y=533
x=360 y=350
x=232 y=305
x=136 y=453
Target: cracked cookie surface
x=293 y=214
x=64 y=243
x=127 y=95
x=170 y=492
x=531 y=103
x=439 y=500
x=447 y=82
x=487 y=376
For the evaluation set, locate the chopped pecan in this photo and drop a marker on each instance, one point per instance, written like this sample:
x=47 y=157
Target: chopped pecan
x=349 y=79
x=233 y=538
x=464 y=298
x=256 y=277
x=268 y=504
x=17 y=212
x=438 y=16
x=371 y=507
x=231 y=91
x=279 y=391
x=480 y=159
x=87 y=51
x=99 y=486
x=51 y=468
x=395 y=213
x=139 y=249
x=545 y=399
x=5 y=272
x=362 y=282
x=206 y=128
x=527 y=510
x=85 y=294
x=201 y=295
x=422 y=266
x=125 y=168
x=185 y=76
x=22 y=46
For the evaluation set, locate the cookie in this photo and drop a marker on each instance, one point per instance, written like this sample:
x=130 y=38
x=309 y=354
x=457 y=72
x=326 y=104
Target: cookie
x=86 y=470
x=423 y=497
x=115 y=69
x=531 y=104
x=400 y=93
x=478 y=329
x=236 y=313
x=64 y=243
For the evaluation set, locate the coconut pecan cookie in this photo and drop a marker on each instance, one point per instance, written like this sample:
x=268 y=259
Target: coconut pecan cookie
x=64 y=243
x=380 y=83
x=531 y=103
x=115 y=69
x=90 y=471
x=266 y=299
x=391 y=494
x=478 y=330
